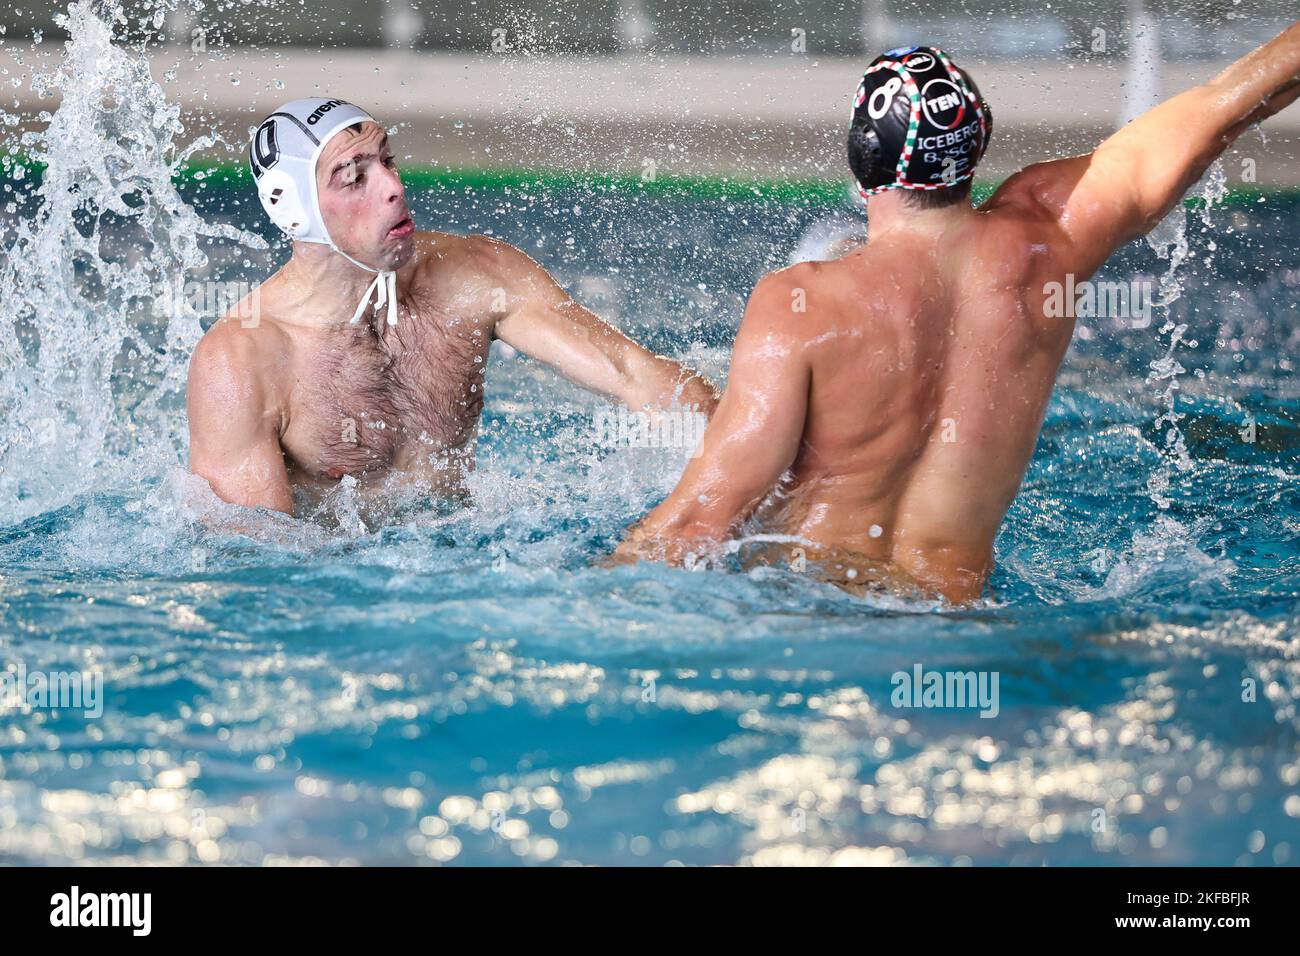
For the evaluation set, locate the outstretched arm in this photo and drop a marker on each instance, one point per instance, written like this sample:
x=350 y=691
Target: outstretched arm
x=1133 y=179
x=234 y=438
x=535 y=315
x=752 y=440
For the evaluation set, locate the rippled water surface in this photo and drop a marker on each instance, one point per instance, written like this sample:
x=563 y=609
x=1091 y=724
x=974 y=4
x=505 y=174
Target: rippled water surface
x=462 y=685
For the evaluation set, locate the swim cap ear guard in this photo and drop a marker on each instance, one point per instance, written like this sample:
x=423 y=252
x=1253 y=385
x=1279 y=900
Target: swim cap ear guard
x=283 y=154
x=283 y=202
x=919 y=122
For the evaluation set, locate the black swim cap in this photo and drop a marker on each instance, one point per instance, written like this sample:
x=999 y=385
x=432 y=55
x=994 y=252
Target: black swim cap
x=919 y=122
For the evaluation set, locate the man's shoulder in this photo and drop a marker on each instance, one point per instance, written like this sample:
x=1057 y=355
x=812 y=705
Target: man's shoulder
x=237 y=350
x=805 y=298
x=1036 y=195
x=450 y=265
x=781 y=287
x=441 y=250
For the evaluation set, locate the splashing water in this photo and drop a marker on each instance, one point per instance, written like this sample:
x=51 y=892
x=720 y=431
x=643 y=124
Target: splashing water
x=461 y=685
x=1169 y=241
x=93 y=357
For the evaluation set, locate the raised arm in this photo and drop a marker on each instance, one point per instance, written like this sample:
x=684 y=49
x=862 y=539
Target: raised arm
x=752 y=440
x=234 y=437
x=536 y=316
x=1133 y=179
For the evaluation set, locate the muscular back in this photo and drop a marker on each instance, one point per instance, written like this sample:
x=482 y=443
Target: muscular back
x=882 y=408
x=930 y=366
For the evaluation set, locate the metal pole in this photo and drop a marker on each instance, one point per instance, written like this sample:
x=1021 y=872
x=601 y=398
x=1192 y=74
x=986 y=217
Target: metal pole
x=1142 y=77
x=877 y=27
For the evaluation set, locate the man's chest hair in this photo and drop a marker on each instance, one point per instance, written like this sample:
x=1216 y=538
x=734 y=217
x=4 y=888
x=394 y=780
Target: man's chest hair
x=369 y=399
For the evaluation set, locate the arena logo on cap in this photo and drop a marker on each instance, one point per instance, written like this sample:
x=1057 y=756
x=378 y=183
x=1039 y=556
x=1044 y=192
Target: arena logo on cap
x=940 y=97
x=321 y=110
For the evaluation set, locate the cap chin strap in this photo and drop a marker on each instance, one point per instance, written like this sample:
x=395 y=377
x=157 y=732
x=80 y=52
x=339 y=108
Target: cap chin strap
x=383 y=288
x=386 y=283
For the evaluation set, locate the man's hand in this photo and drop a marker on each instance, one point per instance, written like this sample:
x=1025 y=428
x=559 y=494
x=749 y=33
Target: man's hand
x=537 y=317
x=754 y=436
x=1131 y=181
x=234 y=427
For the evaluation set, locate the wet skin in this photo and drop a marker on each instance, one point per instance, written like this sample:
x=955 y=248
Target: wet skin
x=882 y=408
x=299 y=396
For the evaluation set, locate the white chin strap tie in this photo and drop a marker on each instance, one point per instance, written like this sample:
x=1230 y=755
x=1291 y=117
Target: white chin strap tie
x=384 y=289
x=386 y=284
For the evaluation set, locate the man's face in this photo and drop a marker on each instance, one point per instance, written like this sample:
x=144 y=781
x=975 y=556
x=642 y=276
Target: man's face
x=362 y=200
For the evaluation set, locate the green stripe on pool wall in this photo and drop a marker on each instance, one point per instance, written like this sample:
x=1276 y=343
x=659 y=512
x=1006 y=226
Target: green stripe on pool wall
x=817 y=192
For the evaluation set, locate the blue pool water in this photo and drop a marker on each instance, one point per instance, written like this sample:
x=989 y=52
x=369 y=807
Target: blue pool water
x=428 y=684
x=463 y=686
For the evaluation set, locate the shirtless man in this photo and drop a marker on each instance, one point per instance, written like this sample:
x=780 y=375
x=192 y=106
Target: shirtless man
x=320 y=387
x=892 y=398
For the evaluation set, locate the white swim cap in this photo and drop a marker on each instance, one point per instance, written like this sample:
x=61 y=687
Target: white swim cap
x=283 y=155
